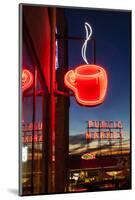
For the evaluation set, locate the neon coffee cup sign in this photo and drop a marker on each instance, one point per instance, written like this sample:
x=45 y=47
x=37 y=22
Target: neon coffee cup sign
x=89 y=81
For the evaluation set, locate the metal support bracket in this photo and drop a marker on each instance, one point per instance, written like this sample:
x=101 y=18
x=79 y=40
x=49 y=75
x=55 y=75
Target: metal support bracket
x=92 y=39
x=58 y=92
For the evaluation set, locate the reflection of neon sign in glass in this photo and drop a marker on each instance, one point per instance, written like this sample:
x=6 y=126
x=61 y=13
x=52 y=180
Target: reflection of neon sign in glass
x=88 y=156
x=89 y=84
x=37 y=126
x=27 y=79
x=29 y=138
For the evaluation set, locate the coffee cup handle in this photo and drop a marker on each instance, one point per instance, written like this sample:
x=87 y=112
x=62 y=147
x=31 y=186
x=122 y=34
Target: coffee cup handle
x=70 y=79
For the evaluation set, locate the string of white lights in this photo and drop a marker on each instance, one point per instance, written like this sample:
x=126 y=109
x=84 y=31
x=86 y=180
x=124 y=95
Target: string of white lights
x=84 y=47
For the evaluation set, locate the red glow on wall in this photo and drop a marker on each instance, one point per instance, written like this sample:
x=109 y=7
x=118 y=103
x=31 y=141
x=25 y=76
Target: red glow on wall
x=88 y=83
x=27 y=79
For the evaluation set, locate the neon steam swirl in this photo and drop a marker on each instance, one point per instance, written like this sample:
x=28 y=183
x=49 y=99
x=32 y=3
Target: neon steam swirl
x=88 y=35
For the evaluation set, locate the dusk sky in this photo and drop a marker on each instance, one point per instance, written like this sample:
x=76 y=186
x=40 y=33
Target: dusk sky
x=111 y=29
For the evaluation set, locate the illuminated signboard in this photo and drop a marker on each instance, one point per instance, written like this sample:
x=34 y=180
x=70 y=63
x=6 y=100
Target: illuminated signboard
x=88 y=156
x=105 y=135
x=88 y=83
x=104 y=130
x=27 y=79
x=104 y=124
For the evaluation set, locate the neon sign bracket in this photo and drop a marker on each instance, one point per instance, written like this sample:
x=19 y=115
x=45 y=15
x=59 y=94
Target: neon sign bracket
x=92 y=39
x=63 y=93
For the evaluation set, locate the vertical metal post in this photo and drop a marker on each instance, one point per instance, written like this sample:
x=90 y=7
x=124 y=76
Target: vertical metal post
x=51 y=168
x=33 y=121
x=62 y=108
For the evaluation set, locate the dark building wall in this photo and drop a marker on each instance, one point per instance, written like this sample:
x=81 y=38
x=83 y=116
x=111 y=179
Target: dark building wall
x=37 y=21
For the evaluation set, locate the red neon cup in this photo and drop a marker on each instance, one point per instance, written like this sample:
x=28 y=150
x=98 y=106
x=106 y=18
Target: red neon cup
x=89 y=84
